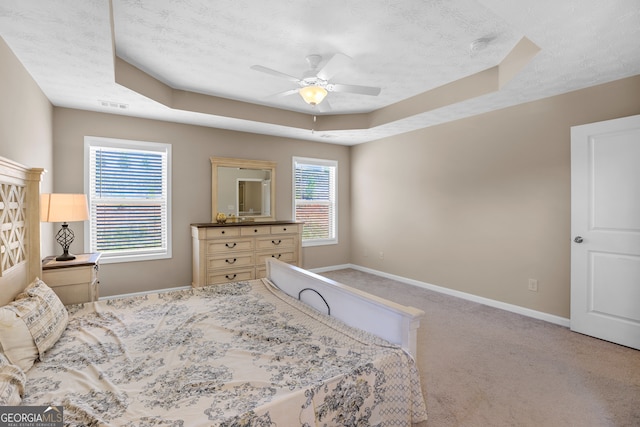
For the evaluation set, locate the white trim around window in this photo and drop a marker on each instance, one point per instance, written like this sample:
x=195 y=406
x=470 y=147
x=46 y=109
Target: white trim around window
x=128 y=188
x=315 y=199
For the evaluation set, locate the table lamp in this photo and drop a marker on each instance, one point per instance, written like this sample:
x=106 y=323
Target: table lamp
x=64 y=208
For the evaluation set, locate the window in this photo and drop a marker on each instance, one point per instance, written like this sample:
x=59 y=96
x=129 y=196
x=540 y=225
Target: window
x=128 y=190
x=315 y=200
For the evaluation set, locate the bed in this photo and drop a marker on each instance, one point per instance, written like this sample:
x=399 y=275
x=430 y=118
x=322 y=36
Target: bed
x=291 y=349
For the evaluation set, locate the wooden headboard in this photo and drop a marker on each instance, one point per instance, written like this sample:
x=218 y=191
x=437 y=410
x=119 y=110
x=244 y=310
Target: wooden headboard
x=20 y=261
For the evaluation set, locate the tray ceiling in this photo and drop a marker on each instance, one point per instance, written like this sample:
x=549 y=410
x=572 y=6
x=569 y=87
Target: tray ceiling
x=188 y=61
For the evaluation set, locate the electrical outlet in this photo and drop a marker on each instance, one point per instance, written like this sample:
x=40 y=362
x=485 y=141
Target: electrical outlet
x=533 y=285
x=381 y=255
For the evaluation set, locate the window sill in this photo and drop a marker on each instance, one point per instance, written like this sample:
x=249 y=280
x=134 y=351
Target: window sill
x=319 y=243
x=114 y=259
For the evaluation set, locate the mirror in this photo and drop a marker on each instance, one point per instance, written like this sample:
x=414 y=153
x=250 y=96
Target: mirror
x=243 y=188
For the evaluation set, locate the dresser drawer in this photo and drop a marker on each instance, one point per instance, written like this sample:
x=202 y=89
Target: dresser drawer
x=261 y=272
x=229 y=246
x=222 y=232
x=220 y=276
x=286 y=256
x=231 y=261
x=284 y=229
x=276 y=242
x=255 y=231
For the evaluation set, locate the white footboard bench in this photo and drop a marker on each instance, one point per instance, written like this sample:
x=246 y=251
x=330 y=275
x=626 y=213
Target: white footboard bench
x=393 y=322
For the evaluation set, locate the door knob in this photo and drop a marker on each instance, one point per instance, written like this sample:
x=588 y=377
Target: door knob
x=578 y=239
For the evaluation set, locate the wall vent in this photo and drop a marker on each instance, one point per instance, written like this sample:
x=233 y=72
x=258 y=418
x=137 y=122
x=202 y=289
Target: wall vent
x=113 y=104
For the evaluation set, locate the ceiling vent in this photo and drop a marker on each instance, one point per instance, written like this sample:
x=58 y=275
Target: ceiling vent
x=112 y=104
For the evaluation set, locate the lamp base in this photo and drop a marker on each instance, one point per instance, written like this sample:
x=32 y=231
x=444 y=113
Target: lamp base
x=65 y=238
x=65 y=257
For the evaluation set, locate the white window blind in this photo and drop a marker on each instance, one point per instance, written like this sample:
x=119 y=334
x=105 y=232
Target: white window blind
x=129 y=201
x=315 y=199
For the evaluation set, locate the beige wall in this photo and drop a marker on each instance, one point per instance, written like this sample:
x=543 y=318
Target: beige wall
x=192 y=146
x=480 y=205
x=25 y=124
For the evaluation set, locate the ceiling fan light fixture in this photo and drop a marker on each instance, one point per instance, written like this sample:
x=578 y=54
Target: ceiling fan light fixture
x=313 y=95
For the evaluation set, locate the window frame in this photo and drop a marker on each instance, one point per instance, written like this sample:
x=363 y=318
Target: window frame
x=318 y=162
x=128 y=256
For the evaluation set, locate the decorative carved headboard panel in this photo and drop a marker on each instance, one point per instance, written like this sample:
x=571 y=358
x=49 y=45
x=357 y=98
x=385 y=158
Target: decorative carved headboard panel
x=13 y=225
x=19 y=227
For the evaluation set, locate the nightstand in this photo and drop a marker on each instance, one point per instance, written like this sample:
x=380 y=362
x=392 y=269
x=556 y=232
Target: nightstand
x=74 y=281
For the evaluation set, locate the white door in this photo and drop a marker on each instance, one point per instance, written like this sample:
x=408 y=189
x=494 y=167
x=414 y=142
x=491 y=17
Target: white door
x=605 y=227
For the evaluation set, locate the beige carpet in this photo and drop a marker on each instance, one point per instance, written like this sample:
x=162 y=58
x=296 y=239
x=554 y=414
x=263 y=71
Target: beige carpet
x=482 y=366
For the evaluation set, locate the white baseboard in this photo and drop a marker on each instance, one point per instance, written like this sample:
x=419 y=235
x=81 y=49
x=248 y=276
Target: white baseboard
x=562 y=321
x=336 y=267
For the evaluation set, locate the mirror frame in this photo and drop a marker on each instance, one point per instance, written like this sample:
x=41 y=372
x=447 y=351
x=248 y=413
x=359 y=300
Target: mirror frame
x=229 y=162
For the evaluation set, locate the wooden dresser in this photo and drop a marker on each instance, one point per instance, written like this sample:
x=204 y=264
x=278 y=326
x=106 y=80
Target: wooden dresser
x=231 y=252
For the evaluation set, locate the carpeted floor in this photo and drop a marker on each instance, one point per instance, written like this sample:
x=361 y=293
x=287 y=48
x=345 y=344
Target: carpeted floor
x=481 y=366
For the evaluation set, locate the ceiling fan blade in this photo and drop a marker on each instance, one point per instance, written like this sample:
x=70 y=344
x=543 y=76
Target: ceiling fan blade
x=274 y=73
x=362 y=90
x=285 y=93
x=333 y=66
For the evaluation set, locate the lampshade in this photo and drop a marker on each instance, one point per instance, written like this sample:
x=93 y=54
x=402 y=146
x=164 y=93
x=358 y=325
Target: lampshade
x=59 y=207
x=313 y=95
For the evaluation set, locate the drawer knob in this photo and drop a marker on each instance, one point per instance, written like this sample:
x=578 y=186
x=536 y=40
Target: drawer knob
x=228 y=261
x=276 y=243
x=285 y=229
x=230 y=277
x=255 y=230
x=276 y=256
x=233 y=245
x=222 y=232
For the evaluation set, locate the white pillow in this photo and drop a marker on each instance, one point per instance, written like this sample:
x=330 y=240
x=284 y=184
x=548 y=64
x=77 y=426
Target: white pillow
x=16 y=341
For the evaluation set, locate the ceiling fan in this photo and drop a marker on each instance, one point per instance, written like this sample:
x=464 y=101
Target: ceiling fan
x=314 y=84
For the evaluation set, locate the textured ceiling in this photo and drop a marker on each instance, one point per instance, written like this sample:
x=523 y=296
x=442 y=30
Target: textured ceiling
x=405 y=48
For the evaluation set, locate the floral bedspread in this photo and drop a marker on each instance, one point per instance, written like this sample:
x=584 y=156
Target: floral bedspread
x=238 y=354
